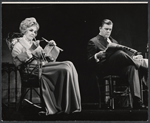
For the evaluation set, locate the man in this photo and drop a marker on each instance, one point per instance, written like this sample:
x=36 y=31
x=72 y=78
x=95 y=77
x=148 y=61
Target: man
x=116 y=61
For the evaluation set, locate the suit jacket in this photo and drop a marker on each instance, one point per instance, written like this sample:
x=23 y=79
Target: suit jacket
x=96 y=44
x=99 y=43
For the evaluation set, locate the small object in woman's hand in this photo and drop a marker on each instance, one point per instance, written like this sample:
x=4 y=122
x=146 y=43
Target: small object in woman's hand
x=37 y=42
x=52 y=43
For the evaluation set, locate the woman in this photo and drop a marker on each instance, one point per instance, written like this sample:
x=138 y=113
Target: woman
x=59 y=80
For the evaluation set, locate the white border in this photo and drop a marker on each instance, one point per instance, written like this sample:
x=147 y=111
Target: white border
x=73 y=2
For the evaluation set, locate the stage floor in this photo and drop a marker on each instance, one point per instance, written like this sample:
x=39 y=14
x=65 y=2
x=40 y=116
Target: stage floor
x=90 y=112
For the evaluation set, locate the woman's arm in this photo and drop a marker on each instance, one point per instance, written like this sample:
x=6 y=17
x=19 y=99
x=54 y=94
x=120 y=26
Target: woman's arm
x=20 y=54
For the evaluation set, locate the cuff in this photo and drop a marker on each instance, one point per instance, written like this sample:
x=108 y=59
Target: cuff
x=95 y=56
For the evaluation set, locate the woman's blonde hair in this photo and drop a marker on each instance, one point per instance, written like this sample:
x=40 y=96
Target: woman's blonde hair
x=28 y=22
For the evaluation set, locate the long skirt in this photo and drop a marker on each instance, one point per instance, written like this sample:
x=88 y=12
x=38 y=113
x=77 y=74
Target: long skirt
x=60 y=88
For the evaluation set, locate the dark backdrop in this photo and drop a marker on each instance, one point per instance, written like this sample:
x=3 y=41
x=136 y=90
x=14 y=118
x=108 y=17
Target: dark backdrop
x=72 y=25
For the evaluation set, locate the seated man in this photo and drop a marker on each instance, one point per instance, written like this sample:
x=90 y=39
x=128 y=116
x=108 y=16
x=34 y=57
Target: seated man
x=105 y=55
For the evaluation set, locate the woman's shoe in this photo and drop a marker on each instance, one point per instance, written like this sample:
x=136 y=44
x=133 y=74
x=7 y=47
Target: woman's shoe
x=42 y=113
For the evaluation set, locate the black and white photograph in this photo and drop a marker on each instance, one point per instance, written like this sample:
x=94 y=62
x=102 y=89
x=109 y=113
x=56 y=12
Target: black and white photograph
x=74 y=61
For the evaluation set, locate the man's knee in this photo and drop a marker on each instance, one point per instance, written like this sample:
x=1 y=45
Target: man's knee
x=120 y=53
x=121 y=58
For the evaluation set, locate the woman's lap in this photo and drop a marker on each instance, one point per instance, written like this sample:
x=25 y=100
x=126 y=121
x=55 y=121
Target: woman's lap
x=60 y=79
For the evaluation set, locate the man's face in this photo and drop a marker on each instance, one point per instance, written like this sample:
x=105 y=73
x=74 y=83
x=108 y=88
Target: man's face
x=105 y=30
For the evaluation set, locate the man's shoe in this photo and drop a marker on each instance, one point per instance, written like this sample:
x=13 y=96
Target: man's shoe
x=137 y=104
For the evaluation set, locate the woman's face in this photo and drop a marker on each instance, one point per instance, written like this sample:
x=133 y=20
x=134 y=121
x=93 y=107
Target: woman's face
x=31 y=32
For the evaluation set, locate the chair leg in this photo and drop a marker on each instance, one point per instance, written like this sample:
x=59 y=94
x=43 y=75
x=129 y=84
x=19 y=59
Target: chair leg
x=130 y=98
x=99 y=105
x=31 y=94
x=112 y=103
x=99 y=92
x=141 y=84
x=21 y=99
x=111 y=92
x=113 y=84
x=41 y=98
x=107 y=92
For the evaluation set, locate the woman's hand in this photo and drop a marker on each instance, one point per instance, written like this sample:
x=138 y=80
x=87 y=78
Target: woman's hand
x=37 y=43
x=52 y=43
x=38 y=51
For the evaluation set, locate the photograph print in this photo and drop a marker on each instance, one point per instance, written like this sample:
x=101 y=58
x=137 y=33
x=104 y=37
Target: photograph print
x=73 y=61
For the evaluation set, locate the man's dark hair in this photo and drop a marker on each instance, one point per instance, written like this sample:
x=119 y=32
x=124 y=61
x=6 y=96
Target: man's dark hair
x=106 y=21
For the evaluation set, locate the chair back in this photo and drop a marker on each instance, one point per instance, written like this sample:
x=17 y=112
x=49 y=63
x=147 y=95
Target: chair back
x=12 y=39
x=27 y=69
x=28 y=78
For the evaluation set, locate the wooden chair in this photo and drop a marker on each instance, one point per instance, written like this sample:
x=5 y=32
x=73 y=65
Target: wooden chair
x=29 y=81
x=111 y=89
x=117 y=89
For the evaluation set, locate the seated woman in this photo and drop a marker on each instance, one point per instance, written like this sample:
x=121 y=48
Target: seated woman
x=59 y=80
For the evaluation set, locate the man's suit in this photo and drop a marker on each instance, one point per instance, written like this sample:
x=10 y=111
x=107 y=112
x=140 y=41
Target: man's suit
x=118 y=63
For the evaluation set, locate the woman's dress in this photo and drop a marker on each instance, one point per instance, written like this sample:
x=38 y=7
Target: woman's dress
x=59 y=83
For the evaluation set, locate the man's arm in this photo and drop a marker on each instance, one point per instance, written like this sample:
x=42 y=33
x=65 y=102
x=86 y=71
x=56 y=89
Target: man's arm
x=91 y=50
x=94 y=54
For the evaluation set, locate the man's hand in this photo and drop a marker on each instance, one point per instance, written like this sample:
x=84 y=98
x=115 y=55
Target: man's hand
x=138 y=57
x=100 y=54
